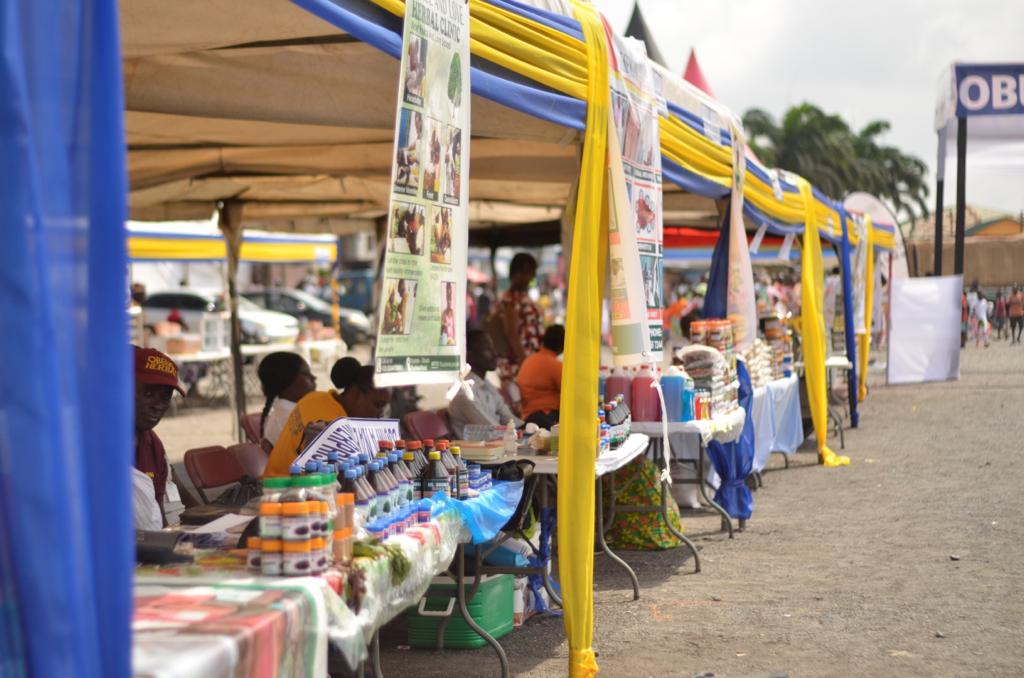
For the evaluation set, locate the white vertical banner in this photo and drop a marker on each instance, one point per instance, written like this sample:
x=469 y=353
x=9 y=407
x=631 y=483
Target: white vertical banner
x=422 y=309
x=635 y=229
x=860 y=272
x=741 y=304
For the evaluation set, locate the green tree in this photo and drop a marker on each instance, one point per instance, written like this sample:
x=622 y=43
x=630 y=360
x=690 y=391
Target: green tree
x=823 y=149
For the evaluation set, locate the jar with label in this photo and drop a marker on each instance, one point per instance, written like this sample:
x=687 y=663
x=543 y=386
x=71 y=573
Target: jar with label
x=317 y=555
x=270 y=520
x=273 y=488
x=295 y=521
x=296 y=559
x=253 y=557
x=270 y=557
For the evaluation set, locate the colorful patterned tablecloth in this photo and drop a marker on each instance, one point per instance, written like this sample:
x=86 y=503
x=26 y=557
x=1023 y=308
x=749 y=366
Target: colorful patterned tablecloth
x=213 y=619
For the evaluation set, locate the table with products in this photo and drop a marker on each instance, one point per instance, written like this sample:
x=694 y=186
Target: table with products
x=215 y=618
x=687 y=441
x=544 y=471
x=778 y=425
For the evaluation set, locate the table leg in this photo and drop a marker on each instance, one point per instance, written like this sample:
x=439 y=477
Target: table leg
x=460 y=595
x=701 y=483
x=679 y=535
x=544 y=502
x=378 y=672
x=604 y=545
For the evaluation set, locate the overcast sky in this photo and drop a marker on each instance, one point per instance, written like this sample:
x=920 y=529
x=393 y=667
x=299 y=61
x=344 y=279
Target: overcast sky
x=864 y=60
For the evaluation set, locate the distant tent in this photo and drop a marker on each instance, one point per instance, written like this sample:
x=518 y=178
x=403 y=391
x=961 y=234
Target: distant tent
x=695 y=76
x=638 y=29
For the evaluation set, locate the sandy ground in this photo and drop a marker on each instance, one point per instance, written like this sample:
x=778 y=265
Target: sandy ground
x=907 y=563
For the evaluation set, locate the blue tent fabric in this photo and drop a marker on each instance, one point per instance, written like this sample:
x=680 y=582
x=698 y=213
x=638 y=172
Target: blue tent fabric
x=851 y=336
x=66 y=539
x=734 y=461
x=716 y=299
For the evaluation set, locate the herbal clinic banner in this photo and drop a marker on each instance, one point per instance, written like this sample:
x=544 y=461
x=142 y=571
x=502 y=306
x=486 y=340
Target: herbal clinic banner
x=635 y=206
x=422 y=309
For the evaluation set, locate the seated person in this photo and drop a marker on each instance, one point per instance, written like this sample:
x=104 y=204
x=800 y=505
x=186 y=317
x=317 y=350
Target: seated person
x=285 y=379
x=357 y=396
x=156 y=379
x=540 y=380
x=487 y=406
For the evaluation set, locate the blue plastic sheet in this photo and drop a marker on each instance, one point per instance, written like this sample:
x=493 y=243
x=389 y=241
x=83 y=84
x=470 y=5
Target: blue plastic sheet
x=716 y=300
x=66 y=540
x=484 y=515
x=735 y=461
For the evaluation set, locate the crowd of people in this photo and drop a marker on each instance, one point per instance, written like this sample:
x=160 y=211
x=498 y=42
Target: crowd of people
x=981 y=315
x=511 y=341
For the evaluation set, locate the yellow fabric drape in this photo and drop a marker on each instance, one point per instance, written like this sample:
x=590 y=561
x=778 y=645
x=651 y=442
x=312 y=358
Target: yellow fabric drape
x=578 y=427
x=559 y=61
x=864 y=340
x=812 y=280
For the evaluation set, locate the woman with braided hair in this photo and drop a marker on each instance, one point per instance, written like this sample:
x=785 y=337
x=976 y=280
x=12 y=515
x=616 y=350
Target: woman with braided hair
x=285 y=378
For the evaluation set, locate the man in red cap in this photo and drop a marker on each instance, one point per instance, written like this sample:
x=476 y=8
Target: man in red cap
x=156 y=379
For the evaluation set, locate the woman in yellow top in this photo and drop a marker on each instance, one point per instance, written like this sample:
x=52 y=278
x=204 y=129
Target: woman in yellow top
x=356 y=397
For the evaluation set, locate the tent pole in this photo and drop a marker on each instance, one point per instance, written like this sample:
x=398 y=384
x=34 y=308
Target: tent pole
x=940 y=187
x=229 y=220
x=961 y=186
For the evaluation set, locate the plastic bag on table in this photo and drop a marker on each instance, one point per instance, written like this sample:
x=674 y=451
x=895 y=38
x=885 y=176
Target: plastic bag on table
x=487 y=514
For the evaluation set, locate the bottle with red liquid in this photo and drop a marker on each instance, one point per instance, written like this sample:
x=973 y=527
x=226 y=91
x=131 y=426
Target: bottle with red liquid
x=645 y=404
x=618 y=383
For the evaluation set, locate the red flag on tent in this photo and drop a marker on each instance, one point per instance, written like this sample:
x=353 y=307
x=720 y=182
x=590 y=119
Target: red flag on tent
x=695 y=76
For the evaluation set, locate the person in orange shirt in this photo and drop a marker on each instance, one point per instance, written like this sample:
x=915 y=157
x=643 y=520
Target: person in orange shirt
x=540 y=380
x=357 y=396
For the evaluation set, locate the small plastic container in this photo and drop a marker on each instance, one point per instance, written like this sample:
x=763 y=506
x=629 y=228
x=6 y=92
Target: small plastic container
x=295 y=521
x=318 y=555
x=253 y=557
x=271 y=557
x=377 y=530
x=270 y=520
x=296 y=558
x=423 y=511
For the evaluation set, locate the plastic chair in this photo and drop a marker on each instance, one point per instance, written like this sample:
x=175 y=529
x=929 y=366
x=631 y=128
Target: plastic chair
x=423 y=425
x=251 y=456
x=212 y=466
x=251 y=426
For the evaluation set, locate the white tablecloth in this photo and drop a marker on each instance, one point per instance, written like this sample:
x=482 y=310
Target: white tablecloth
x=684 y=437
x=610 y=461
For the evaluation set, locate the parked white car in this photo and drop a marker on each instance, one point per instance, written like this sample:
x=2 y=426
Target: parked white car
x=190 y=307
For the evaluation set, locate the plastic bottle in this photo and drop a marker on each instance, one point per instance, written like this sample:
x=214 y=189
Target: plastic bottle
x=434 y=478
x=360 y=504
x=618 y=384
x=380 y=485
x=312 y=484
x=394 y=488
x=511 y=439
x=462 y=474
x=405 y=481
x=672 y=384
x=449 y=465
x=645 y=404
x=416 y=447
x=602 y=382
